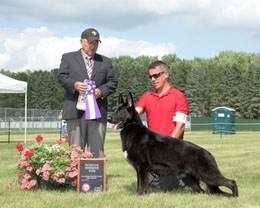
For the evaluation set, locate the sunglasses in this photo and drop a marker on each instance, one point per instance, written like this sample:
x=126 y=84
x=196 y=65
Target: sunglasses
x=155 y=76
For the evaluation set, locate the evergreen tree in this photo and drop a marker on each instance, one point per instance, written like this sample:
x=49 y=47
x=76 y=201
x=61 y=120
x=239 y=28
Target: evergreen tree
x=192 y=91
x=231 y=79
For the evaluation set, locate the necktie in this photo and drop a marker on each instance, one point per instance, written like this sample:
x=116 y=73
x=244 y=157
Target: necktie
x=89 y=66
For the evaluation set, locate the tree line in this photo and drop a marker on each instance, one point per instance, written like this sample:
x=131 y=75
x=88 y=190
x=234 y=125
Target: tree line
x=231 y=79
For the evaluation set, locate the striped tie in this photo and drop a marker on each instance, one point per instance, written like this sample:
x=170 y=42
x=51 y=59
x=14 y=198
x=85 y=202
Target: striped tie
x=89 y=66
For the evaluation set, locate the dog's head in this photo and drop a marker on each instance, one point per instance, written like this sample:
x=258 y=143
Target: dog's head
x=124 y=112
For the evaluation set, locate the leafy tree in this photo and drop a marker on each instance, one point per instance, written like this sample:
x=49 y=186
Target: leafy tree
x=13 y=100
x=231 y=79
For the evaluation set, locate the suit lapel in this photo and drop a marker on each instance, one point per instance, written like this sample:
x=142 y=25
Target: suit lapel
x=96 y=67
x=81 y=63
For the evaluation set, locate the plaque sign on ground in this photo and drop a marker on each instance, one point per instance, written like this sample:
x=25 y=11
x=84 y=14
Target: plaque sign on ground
x=92 y=175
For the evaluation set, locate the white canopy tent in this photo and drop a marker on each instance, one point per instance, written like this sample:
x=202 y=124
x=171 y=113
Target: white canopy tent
x=10 y=85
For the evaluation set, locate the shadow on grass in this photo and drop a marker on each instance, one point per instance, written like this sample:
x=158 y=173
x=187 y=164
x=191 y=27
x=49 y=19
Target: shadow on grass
x=9 y=141
x=132 y=188
x=109 y=176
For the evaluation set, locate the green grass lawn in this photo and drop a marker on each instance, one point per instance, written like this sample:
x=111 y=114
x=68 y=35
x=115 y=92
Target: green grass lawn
x=238 y=157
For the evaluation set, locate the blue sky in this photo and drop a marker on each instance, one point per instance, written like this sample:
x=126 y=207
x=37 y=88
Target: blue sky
x=34 y=34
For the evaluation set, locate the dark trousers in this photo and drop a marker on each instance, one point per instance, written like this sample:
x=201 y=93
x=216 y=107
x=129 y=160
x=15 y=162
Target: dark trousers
x=84 y=132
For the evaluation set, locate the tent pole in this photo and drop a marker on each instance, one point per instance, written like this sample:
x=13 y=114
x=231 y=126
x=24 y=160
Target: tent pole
x=25 y=118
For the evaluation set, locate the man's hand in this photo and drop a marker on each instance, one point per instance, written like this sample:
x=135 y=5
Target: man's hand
x=80 y=87
x=139 y=110
x=98 y=93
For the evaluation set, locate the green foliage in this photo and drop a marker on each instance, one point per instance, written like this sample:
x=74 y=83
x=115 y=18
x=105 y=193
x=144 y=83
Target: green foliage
x=192 y=92
x=231 y=79
x=43 y=90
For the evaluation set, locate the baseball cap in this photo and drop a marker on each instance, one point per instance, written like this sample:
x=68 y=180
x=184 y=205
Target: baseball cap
x=90 y=34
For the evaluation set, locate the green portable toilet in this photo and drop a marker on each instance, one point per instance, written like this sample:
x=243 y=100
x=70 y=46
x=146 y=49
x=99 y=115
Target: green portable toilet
x=223 y=120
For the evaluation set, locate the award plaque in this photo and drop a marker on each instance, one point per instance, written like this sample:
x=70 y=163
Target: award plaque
x=92 y=175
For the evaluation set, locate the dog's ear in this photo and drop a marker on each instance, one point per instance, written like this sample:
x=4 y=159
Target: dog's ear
x=120 y=99
x=129 y=100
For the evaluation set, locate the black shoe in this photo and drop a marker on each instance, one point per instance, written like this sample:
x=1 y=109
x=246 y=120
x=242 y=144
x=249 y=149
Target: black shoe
x=170 y=182
x=154 y=180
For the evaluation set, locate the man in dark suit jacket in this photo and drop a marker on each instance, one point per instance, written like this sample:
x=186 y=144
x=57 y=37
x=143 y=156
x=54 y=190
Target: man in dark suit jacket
x=71 y=75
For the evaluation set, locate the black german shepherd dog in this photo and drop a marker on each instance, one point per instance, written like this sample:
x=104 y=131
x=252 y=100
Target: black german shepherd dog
x=149 y=151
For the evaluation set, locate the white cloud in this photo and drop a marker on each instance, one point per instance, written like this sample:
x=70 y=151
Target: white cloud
x=113 y=47
x=39 y=48
x=32 y=48
x=237 y=14
x=118 y=14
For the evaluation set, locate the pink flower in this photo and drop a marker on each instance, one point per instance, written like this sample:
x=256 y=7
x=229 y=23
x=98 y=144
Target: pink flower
x=26 y=176
x=73 y=174
x=16 y=166
x=33 y=183
x=45 y=177
x=55 y=178
x=46 y=167
x=66 y=160
x=74 y=155
x=67 y=138
x=87 y=154
x=25 y=164
x=29 y=168
x=59 y=141
x=67 y=152
x=60 y=172
x=74 y=163
x=39 y=138
x=38 y=172
x=19 y=147
x=74 y=183
x=60 y=168
x=76 y=147
x=28 y=153
x=61 y=180
x=23 y=184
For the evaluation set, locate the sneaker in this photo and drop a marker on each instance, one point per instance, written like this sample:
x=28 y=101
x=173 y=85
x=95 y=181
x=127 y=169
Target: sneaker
x=154 y=180
x=170 y=182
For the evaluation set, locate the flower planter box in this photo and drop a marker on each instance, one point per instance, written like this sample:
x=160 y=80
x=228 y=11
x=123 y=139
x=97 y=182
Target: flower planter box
x=50 y=186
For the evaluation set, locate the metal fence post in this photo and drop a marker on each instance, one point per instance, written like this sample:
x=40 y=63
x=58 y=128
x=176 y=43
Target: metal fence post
x=9 y=130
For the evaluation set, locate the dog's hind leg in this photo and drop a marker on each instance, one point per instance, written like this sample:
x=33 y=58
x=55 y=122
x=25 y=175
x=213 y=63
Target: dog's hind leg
x=233 y=187
x=231 y=184
x=216 y=190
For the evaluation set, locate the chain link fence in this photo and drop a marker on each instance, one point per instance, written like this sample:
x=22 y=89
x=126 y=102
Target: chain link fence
x=36 y=119
x=40 y=119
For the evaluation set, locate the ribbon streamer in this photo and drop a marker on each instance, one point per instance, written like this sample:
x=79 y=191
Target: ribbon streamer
x=92 y=110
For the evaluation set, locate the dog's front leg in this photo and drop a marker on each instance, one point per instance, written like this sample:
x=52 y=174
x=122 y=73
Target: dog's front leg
x=138 y=176
x=142 y=180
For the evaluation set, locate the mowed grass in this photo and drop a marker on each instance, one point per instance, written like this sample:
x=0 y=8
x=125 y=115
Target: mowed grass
x=238 y=157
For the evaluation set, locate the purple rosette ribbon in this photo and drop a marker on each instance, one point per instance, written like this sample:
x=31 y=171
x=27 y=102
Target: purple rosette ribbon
x=92 y=110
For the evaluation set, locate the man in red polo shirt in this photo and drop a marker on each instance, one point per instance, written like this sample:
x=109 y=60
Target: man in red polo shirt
x=166 y=108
